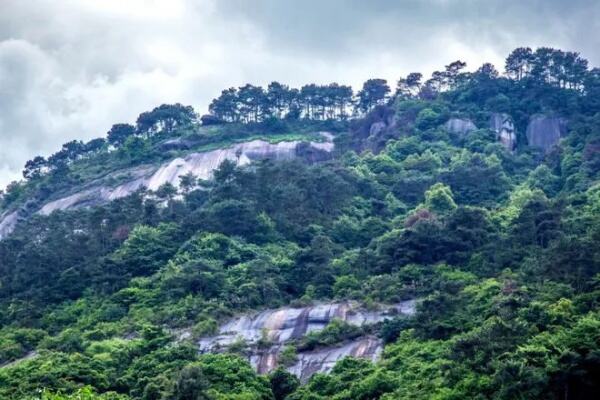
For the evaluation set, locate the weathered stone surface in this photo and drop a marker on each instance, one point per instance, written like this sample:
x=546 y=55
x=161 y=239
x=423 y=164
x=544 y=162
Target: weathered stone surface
x=459 y=126
x=544 y=132
x=200 y=164
x=504 y=127
x=376 y=128
x=176 y=144
x=309 y=363
x=97 y=193
x=8 y=221
x=287 y=324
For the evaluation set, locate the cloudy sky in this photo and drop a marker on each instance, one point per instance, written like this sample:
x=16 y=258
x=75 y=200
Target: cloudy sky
x=69 y=69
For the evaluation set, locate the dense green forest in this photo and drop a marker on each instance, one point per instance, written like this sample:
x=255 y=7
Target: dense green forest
x=500 y=244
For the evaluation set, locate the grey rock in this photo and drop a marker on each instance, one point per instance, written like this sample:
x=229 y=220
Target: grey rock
x=504 y=127
x=376 y=128
x=287 y=324
x=200 y=164
x=175 y=144
x=544 y=132
x=459 y=126
x=323 y=360
x=8 y=221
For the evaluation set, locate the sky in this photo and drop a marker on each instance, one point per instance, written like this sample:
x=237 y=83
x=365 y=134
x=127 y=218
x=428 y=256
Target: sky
x=69 y=69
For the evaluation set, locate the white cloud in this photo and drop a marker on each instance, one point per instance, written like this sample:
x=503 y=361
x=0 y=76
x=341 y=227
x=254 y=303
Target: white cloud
x=70 y=69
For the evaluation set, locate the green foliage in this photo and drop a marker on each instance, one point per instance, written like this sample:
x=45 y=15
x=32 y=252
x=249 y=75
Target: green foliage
x=439 y=199
x=501 y=249
x=336 y=332
x=288 y=355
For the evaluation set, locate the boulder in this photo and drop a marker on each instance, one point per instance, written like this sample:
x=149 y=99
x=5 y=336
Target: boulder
x=460 y=126
x=544 y=132
x=504 y=127
x=175 y=144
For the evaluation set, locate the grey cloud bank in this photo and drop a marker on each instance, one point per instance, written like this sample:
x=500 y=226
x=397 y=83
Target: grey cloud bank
x=70 y=69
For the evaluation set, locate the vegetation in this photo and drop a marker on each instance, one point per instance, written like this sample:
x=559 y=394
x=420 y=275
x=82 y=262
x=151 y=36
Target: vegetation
x=502 y=248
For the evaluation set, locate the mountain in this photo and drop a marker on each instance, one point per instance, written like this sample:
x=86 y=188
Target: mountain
x=441 y=240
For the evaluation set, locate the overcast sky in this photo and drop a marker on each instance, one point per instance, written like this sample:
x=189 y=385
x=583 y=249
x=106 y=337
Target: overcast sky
x=69 y=69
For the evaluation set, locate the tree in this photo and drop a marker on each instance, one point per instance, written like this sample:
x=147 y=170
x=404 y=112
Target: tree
x=475 y=179
x=166 y=191
x=225 y=107
x=439 y=199
x=277 y=98
x=165 y=117
x=73 y=150
x=591 y=89
x=119 y=133
x=94 y=145
x=452 y=76
x=191 y=384
x=373 y=92
x=252 y=102
x=408 y=87
x=35 y=167
x=308 y=99
x=519 y=63
x=187 y=182
x=134 y=148
x=486 y=71
x=283 y=383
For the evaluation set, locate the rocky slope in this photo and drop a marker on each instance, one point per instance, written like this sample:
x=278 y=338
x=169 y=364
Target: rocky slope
x=543 y=131
x=200 y=164
x=287 y=325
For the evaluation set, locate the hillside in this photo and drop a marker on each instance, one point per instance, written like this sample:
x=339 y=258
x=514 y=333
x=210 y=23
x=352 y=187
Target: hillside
x=444 y=235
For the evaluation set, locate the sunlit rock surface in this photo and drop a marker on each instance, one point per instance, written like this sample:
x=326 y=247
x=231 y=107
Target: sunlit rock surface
x=459 y=126
x=284 y=325
x=504 y=127
x=319 y=360
x=152 y=177
x=201 y=165
x=544 y=132
x=323 y=360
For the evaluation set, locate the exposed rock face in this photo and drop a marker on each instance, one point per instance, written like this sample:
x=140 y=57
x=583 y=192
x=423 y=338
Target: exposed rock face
x=97 y=193
x=200 y=164
x=284 y=325
x=323 y=360
x=203 y=164
x=504 y=127
x=8 y=222
x=376 y=128
x=544 y=132
x=459 y=126
x=374 y=131
x=176 y=144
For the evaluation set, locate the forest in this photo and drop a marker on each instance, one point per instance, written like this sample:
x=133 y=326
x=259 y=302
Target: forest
x=500 y=246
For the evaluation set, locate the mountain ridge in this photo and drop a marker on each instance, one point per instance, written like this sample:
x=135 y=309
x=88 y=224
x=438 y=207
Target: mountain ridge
x=474 y=194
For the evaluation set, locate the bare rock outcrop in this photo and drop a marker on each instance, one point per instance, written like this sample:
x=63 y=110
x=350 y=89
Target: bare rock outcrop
x=460 y=126
x=504 y=127
x=200 y=164
x=544 y=132
x=8 y=221
x=375 y=130
x=282 y=326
